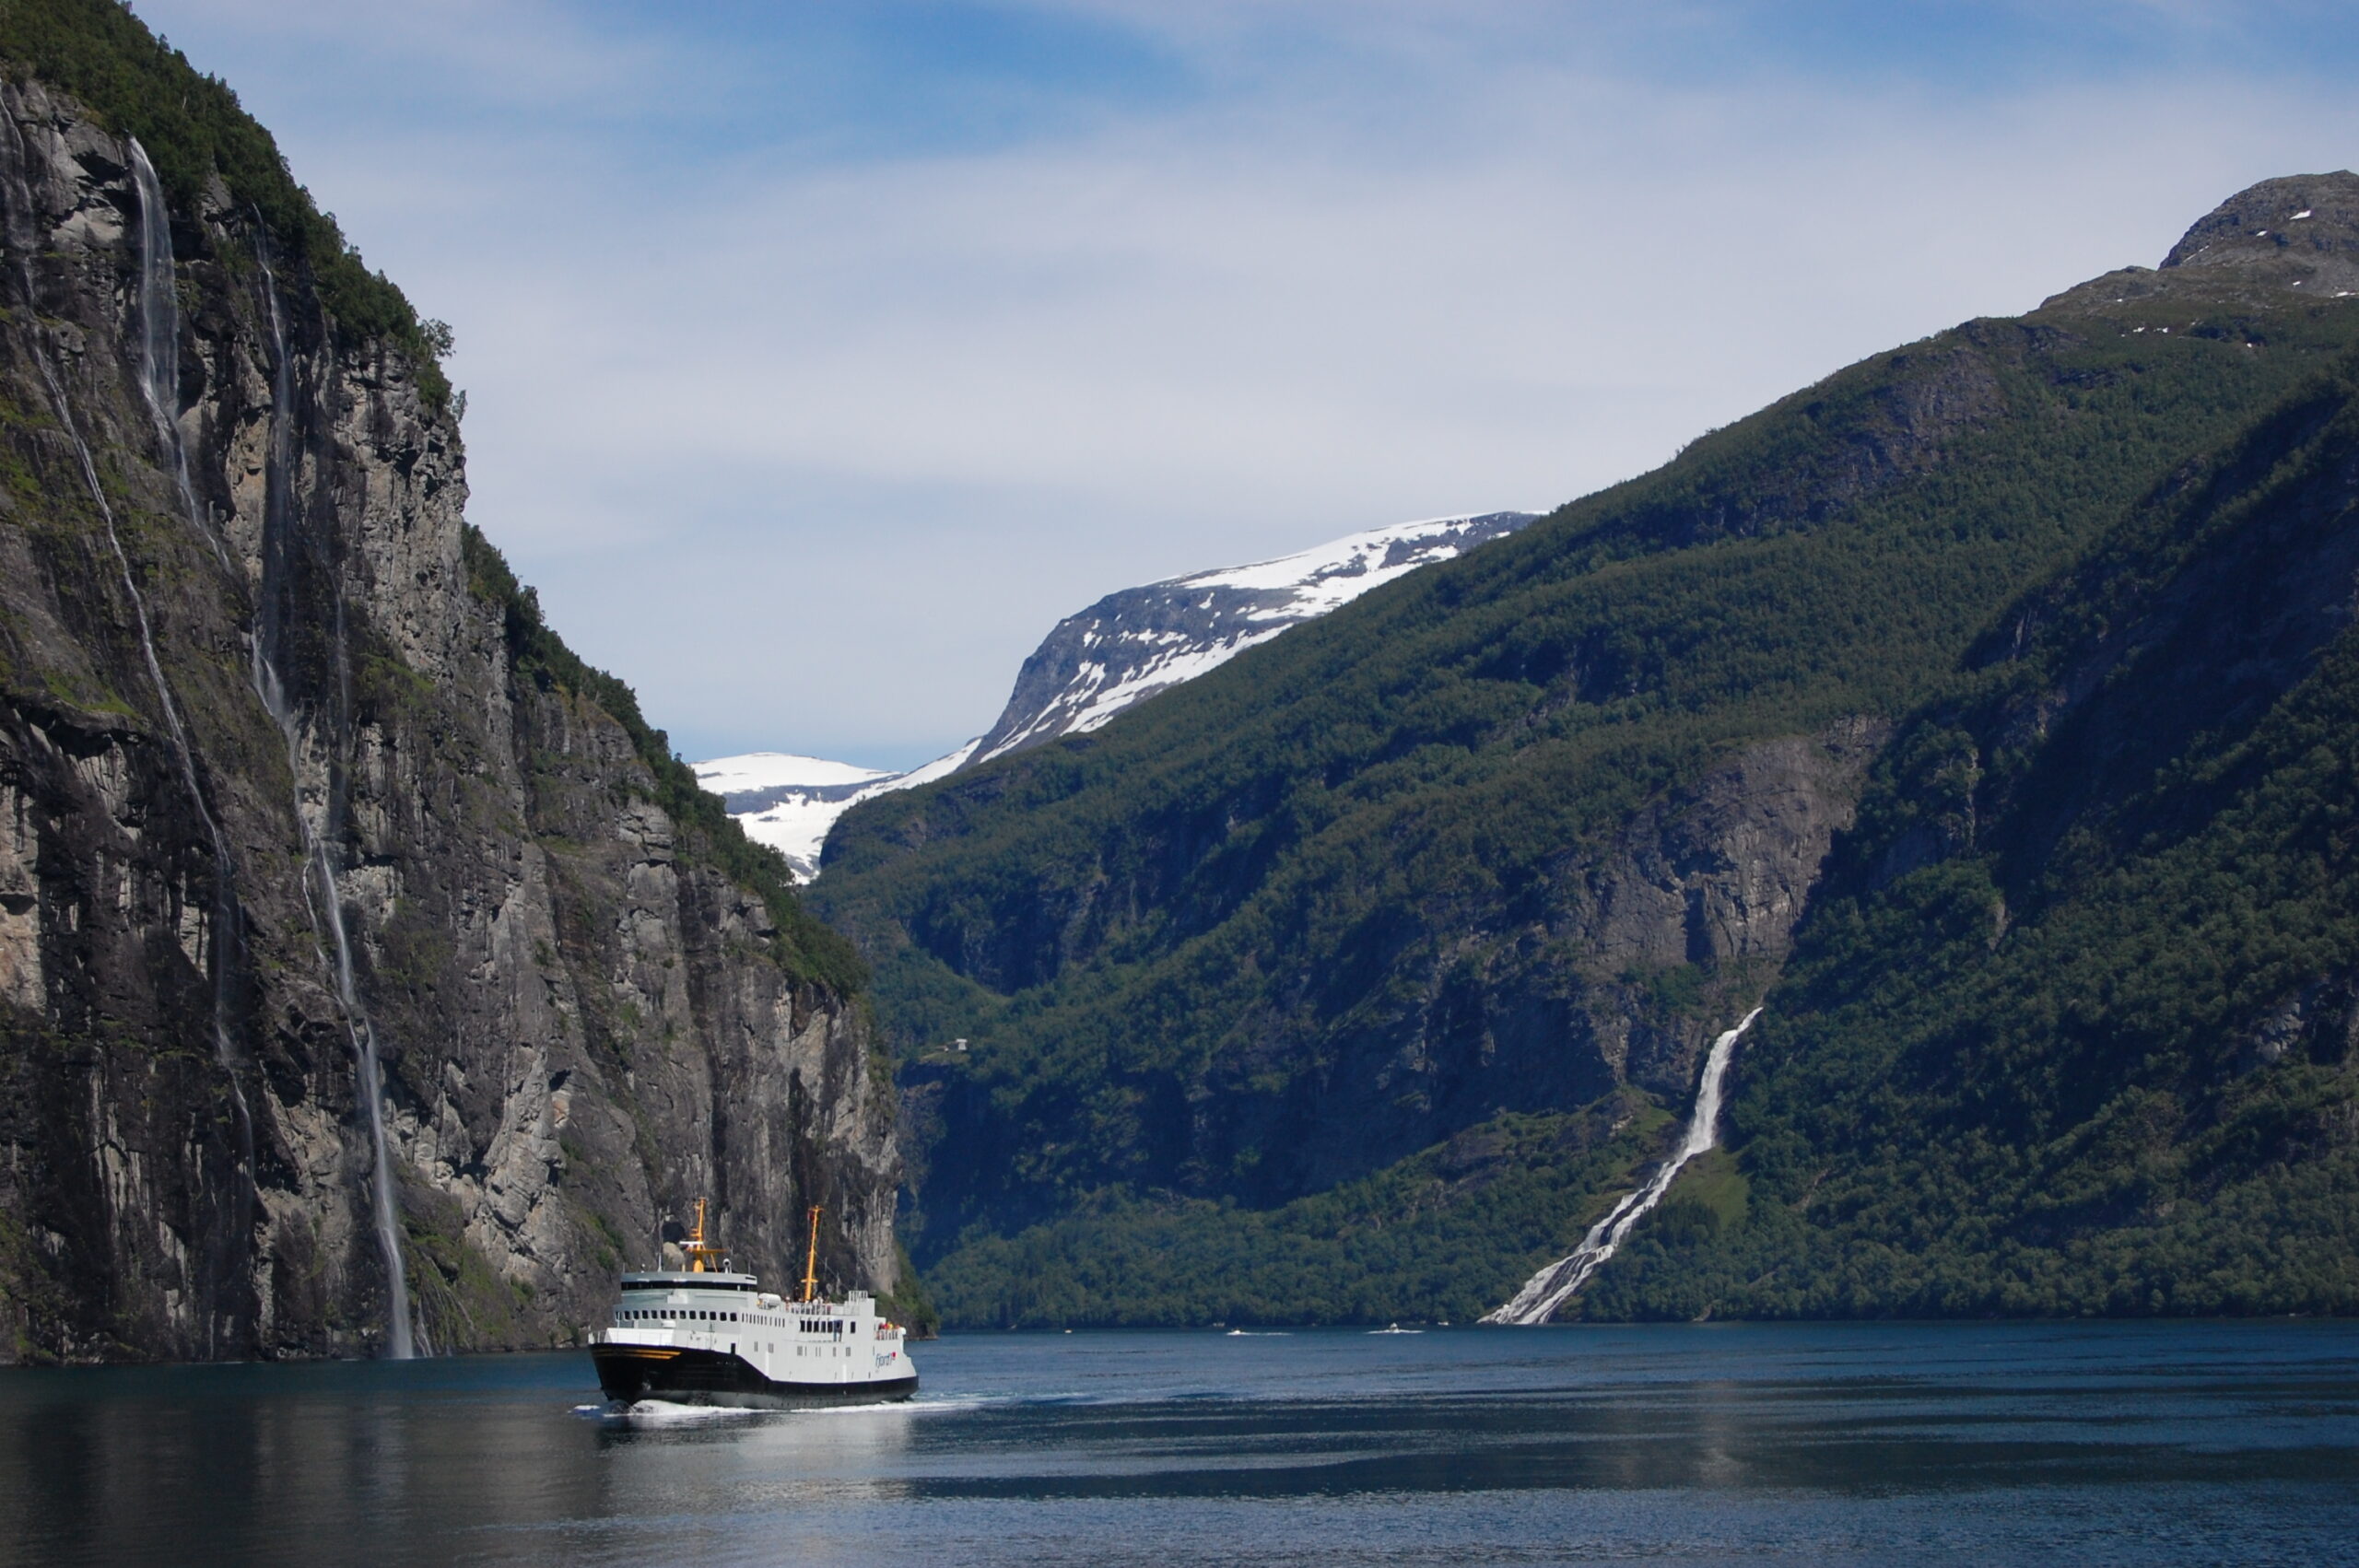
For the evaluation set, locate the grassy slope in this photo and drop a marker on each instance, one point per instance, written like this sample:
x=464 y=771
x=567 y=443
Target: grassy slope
x=1197 y=912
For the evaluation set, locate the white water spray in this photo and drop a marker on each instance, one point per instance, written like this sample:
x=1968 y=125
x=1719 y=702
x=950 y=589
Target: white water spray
x=320 y=891
x=1554 y=1285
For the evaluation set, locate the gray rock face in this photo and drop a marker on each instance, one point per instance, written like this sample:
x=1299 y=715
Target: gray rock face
x=584 y=1024
x=2301 y=231
x=1133 y=644
x=1711 y=882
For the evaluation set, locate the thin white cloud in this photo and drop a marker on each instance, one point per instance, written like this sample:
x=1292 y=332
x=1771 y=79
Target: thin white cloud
x=813 y=451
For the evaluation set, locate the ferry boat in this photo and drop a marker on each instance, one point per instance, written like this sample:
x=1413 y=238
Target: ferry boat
x=704 y=1335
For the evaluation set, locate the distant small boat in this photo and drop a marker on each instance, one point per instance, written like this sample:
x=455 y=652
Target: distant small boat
x=1395 y=1329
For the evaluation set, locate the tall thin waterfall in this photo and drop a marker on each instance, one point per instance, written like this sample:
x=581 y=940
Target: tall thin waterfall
x=1554 y=1285
x=321 y=890
x=21 y=245
x=176 y=732
x=160 y=337
x=160 y=382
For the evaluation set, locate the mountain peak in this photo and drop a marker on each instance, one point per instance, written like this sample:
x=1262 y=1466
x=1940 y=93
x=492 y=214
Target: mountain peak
x=1140 y=641
x=2301 y=230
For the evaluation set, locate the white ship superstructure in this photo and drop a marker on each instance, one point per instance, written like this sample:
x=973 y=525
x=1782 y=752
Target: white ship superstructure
x=704 y=1335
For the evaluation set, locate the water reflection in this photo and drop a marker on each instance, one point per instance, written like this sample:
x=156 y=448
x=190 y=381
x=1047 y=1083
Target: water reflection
x=2132 y=1443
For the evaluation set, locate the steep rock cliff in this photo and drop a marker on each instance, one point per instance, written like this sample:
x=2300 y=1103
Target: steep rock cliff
x=354 y=940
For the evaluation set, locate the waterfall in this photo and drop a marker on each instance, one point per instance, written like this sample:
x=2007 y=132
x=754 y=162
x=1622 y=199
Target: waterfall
x=176 y=732
x=320 y=891
x=1554 y=1285
x=160 y=337
x=159 y=381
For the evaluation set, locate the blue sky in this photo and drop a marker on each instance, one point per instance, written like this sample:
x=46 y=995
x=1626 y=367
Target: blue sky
x=821 y=356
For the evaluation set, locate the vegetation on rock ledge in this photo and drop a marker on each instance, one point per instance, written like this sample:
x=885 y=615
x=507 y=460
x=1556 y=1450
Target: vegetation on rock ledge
x=808 y=947
x=193 y=128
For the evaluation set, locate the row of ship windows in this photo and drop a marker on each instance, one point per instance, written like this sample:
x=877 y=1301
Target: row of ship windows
x=807 y=1325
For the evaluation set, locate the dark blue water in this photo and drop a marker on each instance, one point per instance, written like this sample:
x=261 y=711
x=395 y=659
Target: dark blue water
x=2085 y=1445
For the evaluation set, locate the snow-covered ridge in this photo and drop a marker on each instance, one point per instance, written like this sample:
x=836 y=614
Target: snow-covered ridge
x=1091 y=666
x=789 y=802
x=1131 y=645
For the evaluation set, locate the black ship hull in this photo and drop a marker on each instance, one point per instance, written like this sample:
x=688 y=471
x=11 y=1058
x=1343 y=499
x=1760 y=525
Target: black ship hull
x=685 y=1376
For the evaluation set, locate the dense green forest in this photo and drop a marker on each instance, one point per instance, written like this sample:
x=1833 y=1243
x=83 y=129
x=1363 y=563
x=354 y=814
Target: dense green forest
x=1246 y=961
x=2072 y=1029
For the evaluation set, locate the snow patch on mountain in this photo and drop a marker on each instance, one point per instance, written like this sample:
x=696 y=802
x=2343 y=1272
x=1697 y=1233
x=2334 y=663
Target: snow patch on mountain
x=1120 y=650
x=1131 y=645
x=789 y=802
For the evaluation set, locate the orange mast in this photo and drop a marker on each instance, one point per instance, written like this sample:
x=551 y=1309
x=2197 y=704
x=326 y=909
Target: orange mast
x=702 y=1255
x=811 y=1260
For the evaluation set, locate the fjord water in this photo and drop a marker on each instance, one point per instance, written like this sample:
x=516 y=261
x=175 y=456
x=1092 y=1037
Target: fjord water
x=1737 y=1444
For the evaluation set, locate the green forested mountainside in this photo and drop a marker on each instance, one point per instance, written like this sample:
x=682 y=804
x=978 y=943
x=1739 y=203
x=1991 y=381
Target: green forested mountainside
x=1355 y=893
x=1444 y=1235
x=2072 y=1029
